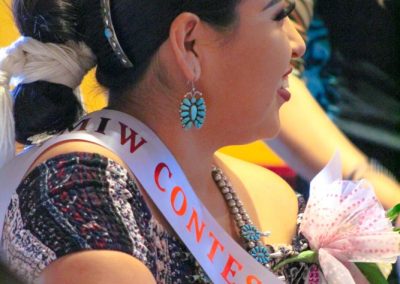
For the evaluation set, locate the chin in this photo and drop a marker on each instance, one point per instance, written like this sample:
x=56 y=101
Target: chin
x=271 y=134
x=271 y=128
x=269 y=131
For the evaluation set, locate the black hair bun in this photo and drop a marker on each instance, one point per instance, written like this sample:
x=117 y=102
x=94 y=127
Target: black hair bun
x=43 y=107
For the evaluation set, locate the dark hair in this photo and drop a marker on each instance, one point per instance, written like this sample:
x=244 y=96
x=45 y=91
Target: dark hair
x=141 y=27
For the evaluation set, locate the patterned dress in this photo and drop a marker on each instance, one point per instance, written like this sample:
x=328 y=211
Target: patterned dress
x=83 y=201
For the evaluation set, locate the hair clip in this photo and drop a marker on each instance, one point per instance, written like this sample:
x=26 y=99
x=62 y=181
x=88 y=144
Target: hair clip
x=111 y=36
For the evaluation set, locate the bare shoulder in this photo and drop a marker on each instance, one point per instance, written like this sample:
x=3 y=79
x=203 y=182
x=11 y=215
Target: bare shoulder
x=96 y=267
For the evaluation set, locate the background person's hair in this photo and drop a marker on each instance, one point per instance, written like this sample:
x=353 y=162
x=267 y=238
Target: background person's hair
x=141 y=27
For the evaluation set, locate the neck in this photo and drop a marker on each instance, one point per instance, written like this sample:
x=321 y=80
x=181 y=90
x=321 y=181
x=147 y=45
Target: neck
x=193 y=149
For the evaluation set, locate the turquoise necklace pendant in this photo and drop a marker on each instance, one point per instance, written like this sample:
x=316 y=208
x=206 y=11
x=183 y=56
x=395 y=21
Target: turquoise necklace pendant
x=248 y=232
x=193 y=110
x=252 y=235
x=261 y=254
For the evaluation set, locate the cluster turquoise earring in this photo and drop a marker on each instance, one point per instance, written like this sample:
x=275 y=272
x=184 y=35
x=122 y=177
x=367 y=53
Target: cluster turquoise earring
x=193 y=109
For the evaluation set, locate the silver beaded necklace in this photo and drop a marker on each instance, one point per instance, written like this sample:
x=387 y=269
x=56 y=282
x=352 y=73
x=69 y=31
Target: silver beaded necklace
x=267 y=255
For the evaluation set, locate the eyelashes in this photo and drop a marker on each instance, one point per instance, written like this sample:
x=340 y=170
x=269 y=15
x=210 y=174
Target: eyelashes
x=286 y=11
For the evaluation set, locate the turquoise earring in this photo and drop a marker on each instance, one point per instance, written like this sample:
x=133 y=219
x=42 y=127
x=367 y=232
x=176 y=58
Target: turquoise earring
x=193 y=109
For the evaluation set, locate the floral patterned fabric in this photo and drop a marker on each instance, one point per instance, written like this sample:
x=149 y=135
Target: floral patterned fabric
x=83 y=201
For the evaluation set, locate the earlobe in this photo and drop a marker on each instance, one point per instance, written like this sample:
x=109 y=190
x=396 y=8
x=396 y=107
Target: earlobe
x=183 y=43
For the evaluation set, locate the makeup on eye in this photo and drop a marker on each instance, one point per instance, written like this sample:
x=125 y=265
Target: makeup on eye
x=291 y=4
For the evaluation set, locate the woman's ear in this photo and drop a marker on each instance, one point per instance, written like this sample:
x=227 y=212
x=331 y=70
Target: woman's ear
x=182 y=36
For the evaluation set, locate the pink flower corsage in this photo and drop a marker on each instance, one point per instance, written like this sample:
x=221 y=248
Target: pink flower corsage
x=347 y=229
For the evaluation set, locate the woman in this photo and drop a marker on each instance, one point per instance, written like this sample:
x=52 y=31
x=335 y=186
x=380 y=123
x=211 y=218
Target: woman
x=79 y=214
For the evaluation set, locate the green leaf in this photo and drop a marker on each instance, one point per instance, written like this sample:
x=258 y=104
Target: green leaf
x=396 y=230
x=307 y=256
x=372 y=272
x=393 y=213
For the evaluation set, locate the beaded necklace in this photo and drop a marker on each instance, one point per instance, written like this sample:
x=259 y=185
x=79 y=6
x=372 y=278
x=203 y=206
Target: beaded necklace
x=265 y=254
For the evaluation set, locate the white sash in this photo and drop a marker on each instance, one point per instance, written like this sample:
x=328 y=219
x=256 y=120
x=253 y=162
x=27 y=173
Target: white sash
x=219 y=255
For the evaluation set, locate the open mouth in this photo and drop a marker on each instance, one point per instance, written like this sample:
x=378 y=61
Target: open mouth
x=283 y=90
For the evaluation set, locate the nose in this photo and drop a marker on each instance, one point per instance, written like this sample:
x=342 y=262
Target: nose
x=296 y=41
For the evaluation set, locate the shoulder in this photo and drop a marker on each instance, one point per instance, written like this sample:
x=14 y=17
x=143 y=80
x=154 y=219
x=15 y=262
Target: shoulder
x=74 y=147
x=71 y=202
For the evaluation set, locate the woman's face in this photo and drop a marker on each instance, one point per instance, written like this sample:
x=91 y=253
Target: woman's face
x=247 y=72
